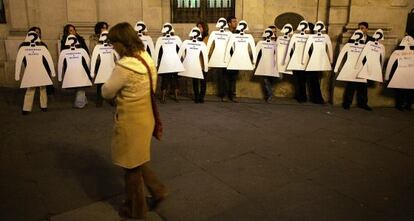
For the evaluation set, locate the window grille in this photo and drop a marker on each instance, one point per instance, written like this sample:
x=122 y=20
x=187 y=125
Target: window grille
x=191 y=11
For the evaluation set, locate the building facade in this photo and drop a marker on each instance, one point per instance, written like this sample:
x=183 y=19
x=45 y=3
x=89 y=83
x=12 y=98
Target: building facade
x=340 y=16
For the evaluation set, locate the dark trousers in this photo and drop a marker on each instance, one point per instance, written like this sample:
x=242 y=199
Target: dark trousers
x=404 y=97
x=268 y=86
x=99 y=98
x=227 y=83
x=362 y=93
x=310 y=78
x=50 y=89
x=136 y=180
x=169 y=79
x=199 y=88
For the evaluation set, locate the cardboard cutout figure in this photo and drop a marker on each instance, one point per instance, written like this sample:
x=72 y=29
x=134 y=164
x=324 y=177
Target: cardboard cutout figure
x=170 y=45
x=240 y=43
x=33 y=53
x=401 y=65
x=219 y=40
x=141 y=28
x=266 y=66
x=191 y=50
x=373 y=54
x=38 y=63
x=320 y=57
x=103 y=59
x=352 y=51
x=77 y=65
x=282 y=44
x=294 y=55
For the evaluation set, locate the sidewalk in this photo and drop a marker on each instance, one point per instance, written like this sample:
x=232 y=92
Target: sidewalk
x=221 y=161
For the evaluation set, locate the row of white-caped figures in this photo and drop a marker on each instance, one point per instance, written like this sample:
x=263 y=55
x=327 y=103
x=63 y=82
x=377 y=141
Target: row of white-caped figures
x=275 y=58
x=140 y=27
x=73 y=65
x=365 y=61
x=74 y=61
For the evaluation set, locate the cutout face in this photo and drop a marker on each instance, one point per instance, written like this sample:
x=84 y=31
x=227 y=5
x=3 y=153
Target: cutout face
x=268 y=34
x=358 y=36
x=140 y=27
x=104 y=36
x=195 y=33
x=32 y=37
x=71 y=41
x=167 y=29
x=319 y=26
x=303 y=26
x=378 y=35
x=221 y=23
x=287 y=29
x=242 y=26
x=407 y=41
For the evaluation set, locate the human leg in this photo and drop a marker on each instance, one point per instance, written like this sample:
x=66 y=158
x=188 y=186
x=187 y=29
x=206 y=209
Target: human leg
x=135 y=205
x=28 y=100
x=43 y=98
x=300 y=86
x=348 y=95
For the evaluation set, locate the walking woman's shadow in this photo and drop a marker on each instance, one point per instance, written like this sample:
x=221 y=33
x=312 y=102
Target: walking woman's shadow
x=97 y=175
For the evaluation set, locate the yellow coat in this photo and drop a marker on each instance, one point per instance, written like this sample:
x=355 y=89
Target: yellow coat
x=134 y=119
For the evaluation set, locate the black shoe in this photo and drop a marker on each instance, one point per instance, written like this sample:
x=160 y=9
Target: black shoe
x=25 y=112
x=43 y=109
x=268 y=100
x=153 y=203
x=346 y=106
x=234 y=100
x=365 y=107
x=201 y=100
x=408 y=107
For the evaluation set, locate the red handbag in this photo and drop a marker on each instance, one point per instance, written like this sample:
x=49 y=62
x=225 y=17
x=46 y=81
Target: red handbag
x=158 y=129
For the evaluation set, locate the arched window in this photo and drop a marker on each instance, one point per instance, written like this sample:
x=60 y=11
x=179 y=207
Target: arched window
x=190 y=11
x=289 y=17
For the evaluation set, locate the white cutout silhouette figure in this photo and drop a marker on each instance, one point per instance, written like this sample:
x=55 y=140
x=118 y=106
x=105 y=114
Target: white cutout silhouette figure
x=401 y=66
x=351 y=51
x=373 y=53
x=282 y=44
x=191 y=50
x=266 y=66
x=33 y=52
x=103 y=59
x=75 y=74
x=297 y=46
x=240 y=44
x=141 y=28
x=170 y=62
x=321 y=57
x=219 y=40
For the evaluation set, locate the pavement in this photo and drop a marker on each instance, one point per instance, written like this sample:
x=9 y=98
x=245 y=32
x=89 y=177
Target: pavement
x=221 y=161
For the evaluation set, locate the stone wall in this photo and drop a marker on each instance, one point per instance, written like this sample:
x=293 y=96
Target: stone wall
x=341 y=17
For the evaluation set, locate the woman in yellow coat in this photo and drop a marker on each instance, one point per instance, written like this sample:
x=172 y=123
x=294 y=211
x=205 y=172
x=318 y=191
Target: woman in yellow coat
x=129 y=84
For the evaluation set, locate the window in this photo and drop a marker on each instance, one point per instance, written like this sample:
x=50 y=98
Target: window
x=288 y=17
x=191 y=11
x=2 y=13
